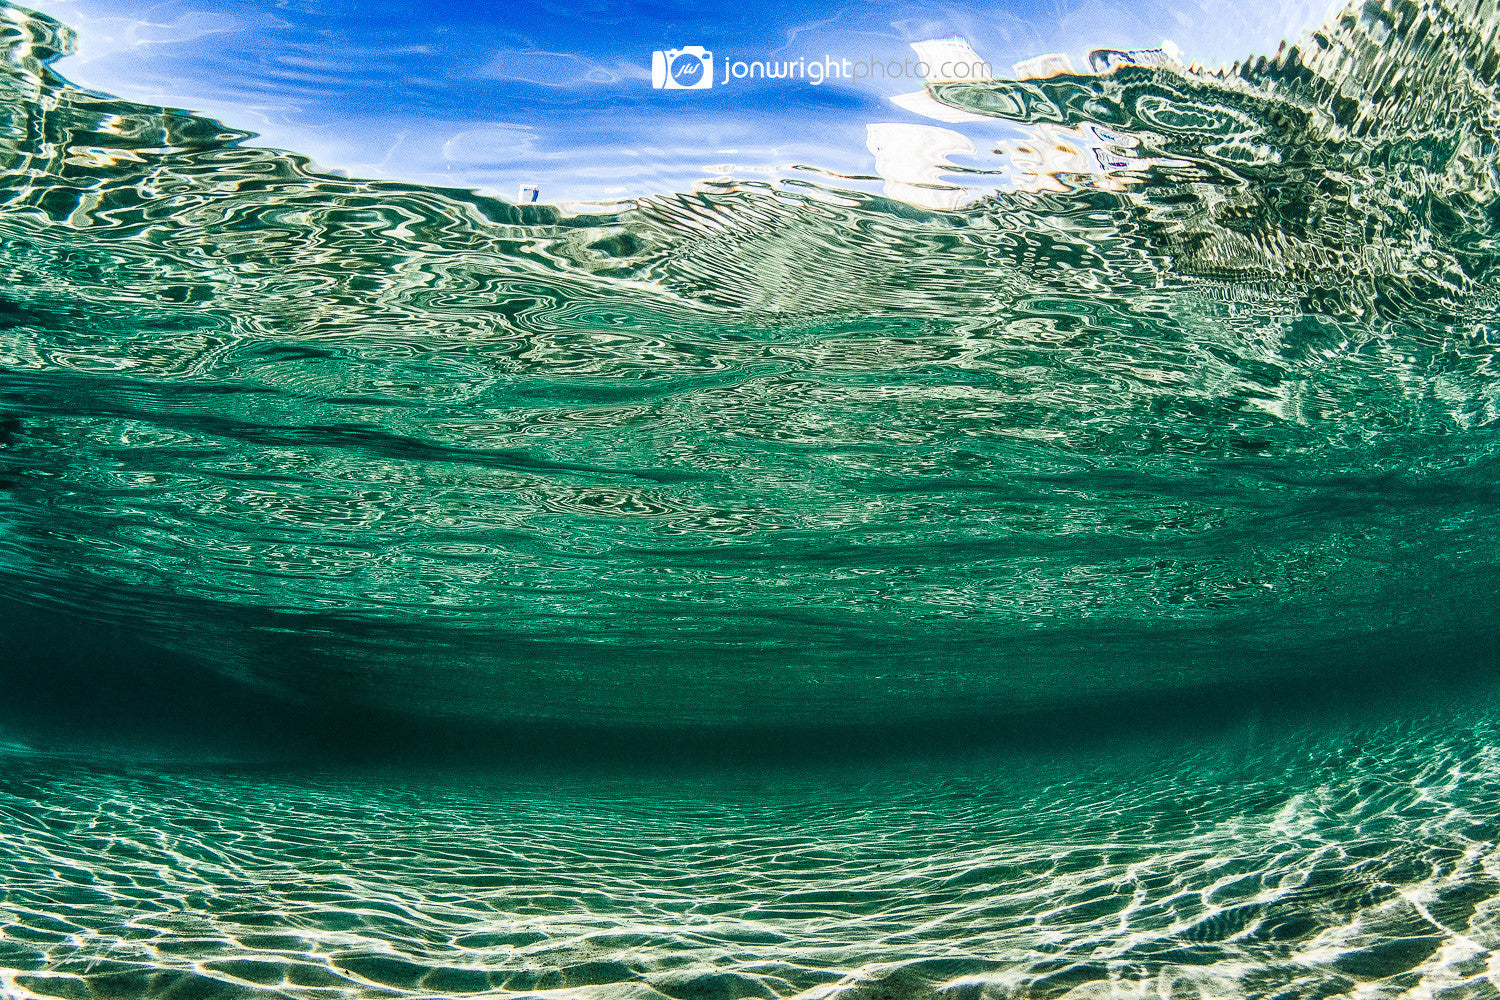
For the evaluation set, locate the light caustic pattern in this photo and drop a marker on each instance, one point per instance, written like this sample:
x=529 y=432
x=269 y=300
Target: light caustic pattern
x=1300 y=867
x=786 y=455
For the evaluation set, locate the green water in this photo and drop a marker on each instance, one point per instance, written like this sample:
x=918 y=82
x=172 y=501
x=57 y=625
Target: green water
x=785 y=450
x=1285 y=865
x=298 y=466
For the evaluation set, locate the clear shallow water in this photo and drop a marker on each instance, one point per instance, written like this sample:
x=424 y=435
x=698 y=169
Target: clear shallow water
x=304 y=459
x=785 y=451
x=1277 y=863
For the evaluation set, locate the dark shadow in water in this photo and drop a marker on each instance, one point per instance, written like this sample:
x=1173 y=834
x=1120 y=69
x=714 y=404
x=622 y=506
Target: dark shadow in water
x=68 y=683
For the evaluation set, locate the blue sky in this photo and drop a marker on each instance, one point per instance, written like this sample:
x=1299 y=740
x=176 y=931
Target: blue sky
x=494 y=96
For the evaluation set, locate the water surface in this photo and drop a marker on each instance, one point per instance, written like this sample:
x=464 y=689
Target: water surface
x=1192 y=415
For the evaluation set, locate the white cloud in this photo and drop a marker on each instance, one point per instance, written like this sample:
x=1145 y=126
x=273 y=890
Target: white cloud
x=490 y=145
x=556 y=69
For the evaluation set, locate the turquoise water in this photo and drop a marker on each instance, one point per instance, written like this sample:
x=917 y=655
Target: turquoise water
x=1279 y=863
x=410 y=593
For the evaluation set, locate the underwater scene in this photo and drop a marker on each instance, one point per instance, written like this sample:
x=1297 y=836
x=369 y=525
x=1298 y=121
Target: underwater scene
x=1032 y=535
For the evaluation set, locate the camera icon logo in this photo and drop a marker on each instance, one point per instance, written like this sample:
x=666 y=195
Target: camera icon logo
x=688 y=68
